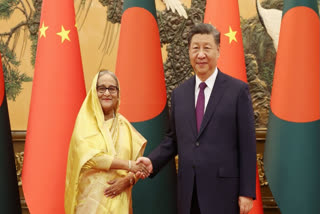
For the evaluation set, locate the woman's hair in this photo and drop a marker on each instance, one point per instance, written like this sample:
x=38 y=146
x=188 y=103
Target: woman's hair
x=104 y=71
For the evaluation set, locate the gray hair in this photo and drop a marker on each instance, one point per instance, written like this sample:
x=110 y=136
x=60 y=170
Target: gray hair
x=104 y=71
x=203 y=28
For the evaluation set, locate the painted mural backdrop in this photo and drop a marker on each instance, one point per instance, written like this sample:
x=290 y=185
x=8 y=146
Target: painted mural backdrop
x=19 y=23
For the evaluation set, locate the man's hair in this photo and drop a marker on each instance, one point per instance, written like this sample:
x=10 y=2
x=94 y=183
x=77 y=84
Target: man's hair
x=202 y=28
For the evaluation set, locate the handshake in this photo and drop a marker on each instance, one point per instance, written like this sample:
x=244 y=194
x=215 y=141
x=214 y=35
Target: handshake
x=141 y=168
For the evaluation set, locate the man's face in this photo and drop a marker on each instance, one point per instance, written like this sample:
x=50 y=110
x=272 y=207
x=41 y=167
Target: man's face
x=203 y=54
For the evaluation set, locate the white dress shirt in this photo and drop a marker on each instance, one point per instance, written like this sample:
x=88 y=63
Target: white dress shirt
x=207 y=91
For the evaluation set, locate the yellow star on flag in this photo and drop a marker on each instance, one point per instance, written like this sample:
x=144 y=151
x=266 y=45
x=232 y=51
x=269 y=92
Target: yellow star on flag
x=43 y=30
x=64 y=34
x=231 y=35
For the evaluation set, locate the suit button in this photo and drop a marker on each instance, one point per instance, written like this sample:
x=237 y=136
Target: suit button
x=197 y=144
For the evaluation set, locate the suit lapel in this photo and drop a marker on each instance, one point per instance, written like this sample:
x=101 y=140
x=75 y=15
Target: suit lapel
x=215 y=97
x=190 y=100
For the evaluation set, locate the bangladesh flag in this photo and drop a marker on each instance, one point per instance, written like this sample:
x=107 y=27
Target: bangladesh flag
x=9 y=193
x=292 y=160
x=143 y=99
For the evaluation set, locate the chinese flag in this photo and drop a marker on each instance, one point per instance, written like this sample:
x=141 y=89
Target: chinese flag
x=57 y=94
x=224 y=15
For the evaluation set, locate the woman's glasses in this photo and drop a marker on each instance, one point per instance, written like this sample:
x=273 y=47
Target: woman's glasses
x=112 y=89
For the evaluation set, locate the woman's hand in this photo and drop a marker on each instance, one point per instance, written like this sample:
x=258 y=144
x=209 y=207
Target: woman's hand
x=139 y=167
x=117 y=186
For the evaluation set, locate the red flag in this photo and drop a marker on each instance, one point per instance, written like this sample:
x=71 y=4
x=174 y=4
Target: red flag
x=224 y=15
x=257 y=204
x=57 y=94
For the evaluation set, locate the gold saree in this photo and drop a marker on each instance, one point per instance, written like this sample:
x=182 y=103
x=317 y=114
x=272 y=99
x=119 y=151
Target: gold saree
x=93 y=146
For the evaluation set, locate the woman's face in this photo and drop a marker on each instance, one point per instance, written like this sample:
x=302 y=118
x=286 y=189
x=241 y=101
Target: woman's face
x=109 y=98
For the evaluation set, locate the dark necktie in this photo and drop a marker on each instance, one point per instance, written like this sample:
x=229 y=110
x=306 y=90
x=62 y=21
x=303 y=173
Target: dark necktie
x=200 y=105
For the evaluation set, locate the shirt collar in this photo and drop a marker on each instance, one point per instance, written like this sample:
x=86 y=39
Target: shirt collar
x=210 y=81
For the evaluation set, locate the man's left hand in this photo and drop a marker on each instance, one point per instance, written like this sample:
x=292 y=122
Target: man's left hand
x=245 y=204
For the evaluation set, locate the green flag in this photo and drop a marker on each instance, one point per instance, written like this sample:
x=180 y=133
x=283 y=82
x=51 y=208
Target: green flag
x=9 y=193
x=292 y=160
x=143 y=99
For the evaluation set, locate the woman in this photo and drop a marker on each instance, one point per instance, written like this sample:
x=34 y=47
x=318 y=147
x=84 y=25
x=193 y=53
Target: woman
x=103 y=147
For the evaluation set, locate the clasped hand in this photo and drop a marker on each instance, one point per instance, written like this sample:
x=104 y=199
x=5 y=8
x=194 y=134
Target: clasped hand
x=118 y=185
x=139 y=167
x=148 y=164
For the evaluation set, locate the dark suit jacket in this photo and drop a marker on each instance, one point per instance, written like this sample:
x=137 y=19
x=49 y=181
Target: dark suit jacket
x=222 y=156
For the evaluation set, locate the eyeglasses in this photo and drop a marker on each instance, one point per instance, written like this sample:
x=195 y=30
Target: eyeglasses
x=112 y=89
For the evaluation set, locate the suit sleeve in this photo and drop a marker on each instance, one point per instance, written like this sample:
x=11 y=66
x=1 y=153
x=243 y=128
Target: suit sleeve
x=167 y=149
x=247 y=144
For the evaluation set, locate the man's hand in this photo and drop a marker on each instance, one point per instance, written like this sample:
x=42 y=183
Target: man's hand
x=147 y=162
x=245 y=204
x=139 y=167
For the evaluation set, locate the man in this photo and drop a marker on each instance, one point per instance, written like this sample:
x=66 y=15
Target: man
x=212 y=131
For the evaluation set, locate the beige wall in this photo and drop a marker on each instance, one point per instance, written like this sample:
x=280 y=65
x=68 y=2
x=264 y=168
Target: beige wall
x=90 y=36
x=18 y=110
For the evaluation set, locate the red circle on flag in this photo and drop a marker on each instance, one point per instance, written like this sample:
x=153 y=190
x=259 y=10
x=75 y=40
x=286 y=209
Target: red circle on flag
x=139 y=66
x=296 y=87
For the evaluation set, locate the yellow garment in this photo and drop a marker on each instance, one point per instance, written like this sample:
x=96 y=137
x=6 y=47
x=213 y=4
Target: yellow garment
x=93 y=146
